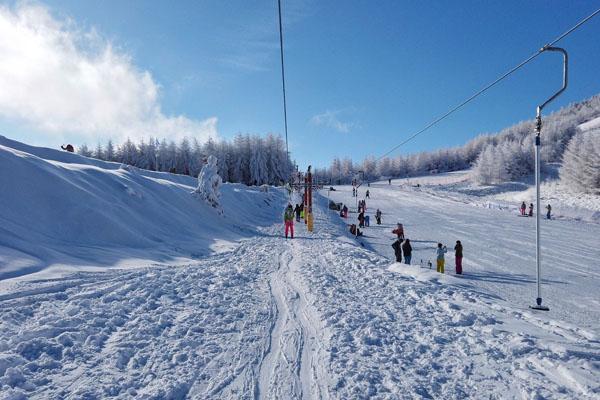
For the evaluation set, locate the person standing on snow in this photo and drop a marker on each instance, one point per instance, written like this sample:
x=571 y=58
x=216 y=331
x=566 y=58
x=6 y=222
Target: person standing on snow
x=297 y=212
x=548 y=214
x=288 y=219
x=361 y=220
x=531 y=209
x=458 y=255
x=378 y=216
x=399 y=231
x=407 y=250
x=440 y=251
x=367 y=195
x=397 y=246
x=523 y=208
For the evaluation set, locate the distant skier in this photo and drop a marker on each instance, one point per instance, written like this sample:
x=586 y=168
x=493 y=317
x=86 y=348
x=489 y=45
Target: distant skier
x=407 y=250
x=297 y=212
x=549 y=211
x=367 y=220
x=378 y=216
x=399 y=231
x=345 y=211
x=397 y=246
x=389 y=181
x=361 y=219
x=458 y=255
x=69 y=148
x=301 y=210
x=353 y=192
x=440 y=251
x=288 y=219
x=367 y=195
x=531 y=209
x=523 y=208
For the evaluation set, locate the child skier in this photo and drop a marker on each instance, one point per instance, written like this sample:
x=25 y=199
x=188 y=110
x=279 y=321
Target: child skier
x=458 y=255
x=441 y=250
x=367 y=195
x=549 y=211
x=288 y=219
x=523 y=208
x=531 y=209
x=378 y=216
x=361 y=220
x=297 y=212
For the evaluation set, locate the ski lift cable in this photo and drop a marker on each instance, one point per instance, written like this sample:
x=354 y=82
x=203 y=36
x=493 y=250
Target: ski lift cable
x=283 y=81
x=490 y=85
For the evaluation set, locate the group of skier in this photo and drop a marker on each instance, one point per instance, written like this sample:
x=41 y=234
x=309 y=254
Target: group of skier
x=402 y=246
x=524 y=213
x=441 y=260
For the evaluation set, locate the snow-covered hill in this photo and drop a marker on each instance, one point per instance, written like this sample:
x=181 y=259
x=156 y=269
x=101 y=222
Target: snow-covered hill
x=223 y=307
x=459 y=186
x=60 y=211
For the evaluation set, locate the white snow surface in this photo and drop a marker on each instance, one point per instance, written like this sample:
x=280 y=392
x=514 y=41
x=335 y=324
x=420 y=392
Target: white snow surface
x=321 y=316
x=458 y=186
x=592 y=124
x=61 y=212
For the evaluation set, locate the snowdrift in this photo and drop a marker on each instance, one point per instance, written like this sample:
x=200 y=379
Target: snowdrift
x=60 y=211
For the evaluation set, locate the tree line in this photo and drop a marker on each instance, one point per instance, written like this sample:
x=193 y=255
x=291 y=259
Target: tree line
x=498 y=157
x=248 y=159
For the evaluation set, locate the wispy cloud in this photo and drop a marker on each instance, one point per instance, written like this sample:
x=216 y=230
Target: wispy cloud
x=331 y=119
x=60 y=79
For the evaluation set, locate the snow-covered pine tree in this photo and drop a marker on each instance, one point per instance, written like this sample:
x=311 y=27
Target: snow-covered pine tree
x=84 y=151
x=580 y=170
x=110 y=151
x=99 y=152
x=259 y=173
x=209 y=182
x=483 y=170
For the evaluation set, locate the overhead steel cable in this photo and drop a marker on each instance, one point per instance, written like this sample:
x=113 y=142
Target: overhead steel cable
x=490 y=85
x=283 y=81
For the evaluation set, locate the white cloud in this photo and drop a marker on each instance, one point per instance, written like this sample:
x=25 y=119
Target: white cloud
x=331 y=119
x=61 y=80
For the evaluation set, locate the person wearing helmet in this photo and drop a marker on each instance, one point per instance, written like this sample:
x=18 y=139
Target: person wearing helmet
x=288 y=219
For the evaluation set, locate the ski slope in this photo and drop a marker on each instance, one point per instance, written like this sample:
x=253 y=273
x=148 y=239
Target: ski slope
x=316 y=317
x=499 y=248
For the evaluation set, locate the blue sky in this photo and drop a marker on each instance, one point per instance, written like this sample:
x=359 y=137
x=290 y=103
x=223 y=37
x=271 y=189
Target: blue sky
x=361 y=75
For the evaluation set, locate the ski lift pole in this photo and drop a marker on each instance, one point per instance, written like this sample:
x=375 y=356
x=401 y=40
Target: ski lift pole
x=538 y=144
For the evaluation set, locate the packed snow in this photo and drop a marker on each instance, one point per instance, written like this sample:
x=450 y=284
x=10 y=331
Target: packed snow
x=217 y=306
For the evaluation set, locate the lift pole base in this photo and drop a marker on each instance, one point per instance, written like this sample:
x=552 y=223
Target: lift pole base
x=539 y=305
x=542 y=308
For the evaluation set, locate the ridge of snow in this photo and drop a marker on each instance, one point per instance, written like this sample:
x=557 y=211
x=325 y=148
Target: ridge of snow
x=62 y=212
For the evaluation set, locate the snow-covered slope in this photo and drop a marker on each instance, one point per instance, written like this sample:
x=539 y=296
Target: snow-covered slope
x=201 y=314
x=591 y=124
x=458 y=186
x=60 y=211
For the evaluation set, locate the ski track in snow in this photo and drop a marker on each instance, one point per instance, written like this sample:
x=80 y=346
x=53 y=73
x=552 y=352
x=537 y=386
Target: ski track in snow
x=316 y=317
